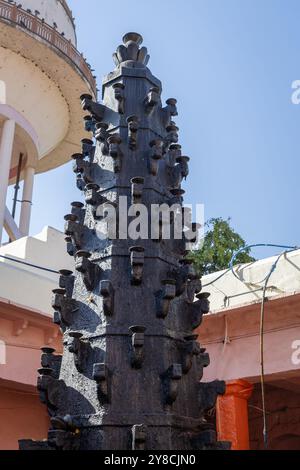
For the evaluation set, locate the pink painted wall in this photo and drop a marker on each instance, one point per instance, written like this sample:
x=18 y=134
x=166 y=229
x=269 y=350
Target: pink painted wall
x=23 y=332
x=22 y=365
x=23 y=346
x=239 y=358
x=22 y=417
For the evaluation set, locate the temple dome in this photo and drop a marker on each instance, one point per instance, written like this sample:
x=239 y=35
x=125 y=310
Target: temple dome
x=55 y=13
x=38 y=43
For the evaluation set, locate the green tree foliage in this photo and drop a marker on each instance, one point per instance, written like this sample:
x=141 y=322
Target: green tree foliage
x=221 y=242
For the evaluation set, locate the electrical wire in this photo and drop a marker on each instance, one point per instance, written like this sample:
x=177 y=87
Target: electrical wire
x=231 y=264
x=29 y=264
x=217 y=278
x=231 y=268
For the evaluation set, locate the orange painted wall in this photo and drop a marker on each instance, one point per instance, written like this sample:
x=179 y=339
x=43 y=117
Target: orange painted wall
x=22 y=417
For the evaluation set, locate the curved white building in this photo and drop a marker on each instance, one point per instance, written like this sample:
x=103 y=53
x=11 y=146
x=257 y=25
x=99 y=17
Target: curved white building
x=42 y=76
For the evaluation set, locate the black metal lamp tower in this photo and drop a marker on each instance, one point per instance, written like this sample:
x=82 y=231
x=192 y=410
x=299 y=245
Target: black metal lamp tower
x=129 y=377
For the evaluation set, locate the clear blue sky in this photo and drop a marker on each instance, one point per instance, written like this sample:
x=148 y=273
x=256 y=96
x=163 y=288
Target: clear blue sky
x=230 y=64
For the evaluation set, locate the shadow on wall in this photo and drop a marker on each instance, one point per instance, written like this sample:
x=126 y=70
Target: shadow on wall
x=286 y=442
x=283 y=416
